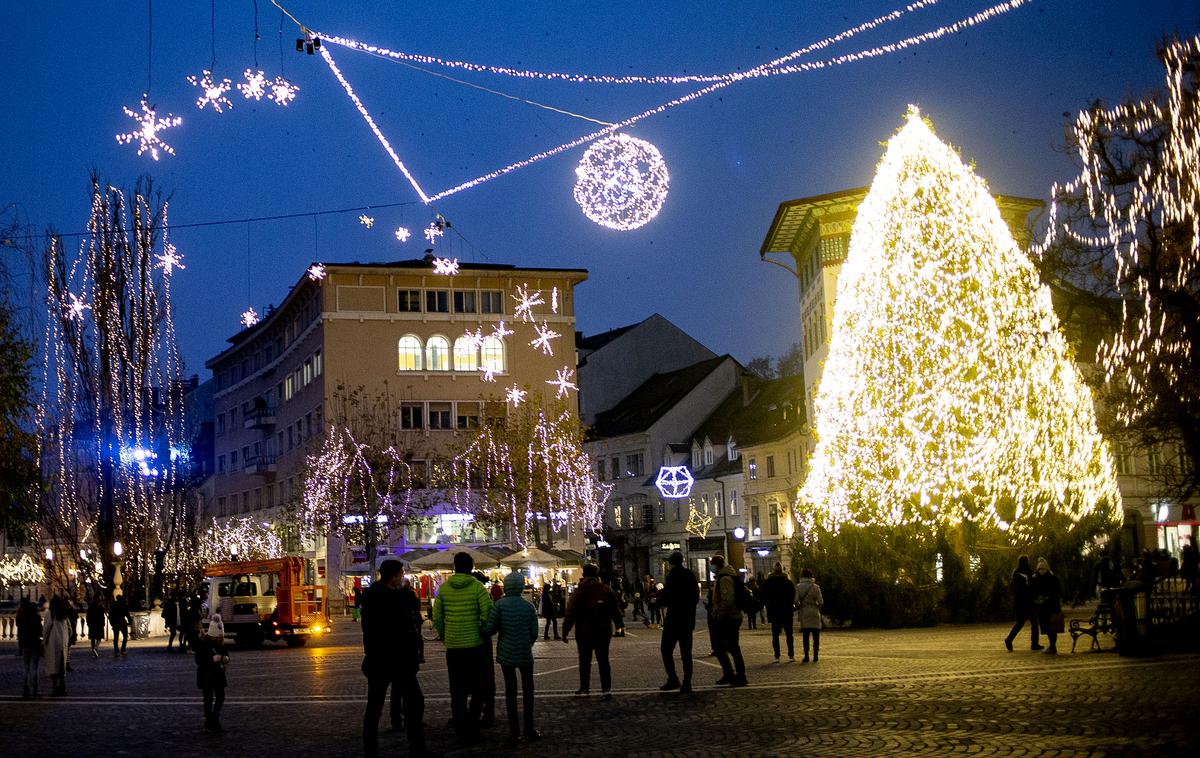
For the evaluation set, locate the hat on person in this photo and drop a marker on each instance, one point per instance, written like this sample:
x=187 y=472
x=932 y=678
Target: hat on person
x=216 y=627
x=1043 y=565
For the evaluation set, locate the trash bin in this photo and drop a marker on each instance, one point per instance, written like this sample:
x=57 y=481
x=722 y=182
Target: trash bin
x=1132 y=611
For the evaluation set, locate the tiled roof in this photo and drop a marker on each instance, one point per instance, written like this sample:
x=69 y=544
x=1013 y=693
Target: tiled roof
x=657 y=395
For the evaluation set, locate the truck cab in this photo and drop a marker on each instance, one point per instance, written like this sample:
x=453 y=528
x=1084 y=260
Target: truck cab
x=266 y=601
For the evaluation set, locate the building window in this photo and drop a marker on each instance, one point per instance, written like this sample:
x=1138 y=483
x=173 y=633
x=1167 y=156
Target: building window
x=308 y=427
x=733 y=503
x=617 y=509
x=409 y=301
x=492 y=354
x=221 y=464
x=717 y=506
x=704 y=504
x=246 y=454
x=437 y=301
x=270 y=495
x=600 y=470
x=464 y=301
x=233 y=460
x=412 y=416
x=437 y=354
x=753 y=465
x=220 y=506
x=616 y=467
x=773 y=517
x=731 y=451
x=220 y=423
x=1154 y=460
x=491 y=301
x=465 y=357
x=308 y=372
x=291 y=439
x=289 y=389
x=634 y=465
x=708 y=455
x=468 y=415
x=755 y=521
x=233 y=418
x=770 y=466
x=678 y=510
x=410 y=353
x=1124 y=459
x=318 y=363
x=439 y=416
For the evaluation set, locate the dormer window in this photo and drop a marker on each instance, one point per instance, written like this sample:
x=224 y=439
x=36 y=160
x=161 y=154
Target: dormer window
x=708 y=455
x=731 y=451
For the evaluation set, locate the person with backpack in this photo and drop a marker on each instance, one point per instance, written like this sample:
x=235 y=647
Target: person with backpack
x=515 y=622
x=809 y=600
x=727 y=590
x=779 y=596
x=1022 y=590
x=211 y=658
x=679 y=597
x=592 y=612
x=460 y=609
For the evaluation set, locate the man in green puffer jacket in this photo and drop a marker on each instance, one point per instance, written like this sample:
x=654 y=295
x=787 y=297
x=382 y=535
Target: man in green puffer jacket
x=460 y=610
x=517 y=622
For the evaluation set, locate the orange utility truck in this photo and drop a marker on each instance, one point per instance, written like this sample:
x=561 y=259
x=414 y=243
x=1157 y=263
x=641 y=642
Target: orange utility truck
x=266 y=601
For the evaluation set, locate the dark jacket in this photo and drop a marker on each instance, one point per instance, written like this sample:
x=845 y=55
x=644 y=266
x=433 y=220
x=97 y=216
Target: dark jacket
x=29 y=628
x=592 y=611
x=516 y=621
x=118 y=615
x=779 y=596
x=679 y=596
x=389 y=632
x=1047 y=593
x=95 y=620
x=210 y=673
x=1022 y=589
x=548 y=609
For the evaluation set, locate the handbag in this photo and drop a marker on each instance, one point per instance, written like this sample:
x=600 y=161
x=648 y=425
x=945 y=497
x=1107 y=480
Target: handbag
x=1057 y=622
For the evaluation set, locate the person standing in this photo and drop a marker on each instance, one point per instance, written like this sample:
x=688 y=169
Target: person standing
x=653 y=609
x=29 y=642
x=487 y=668
x=95 y=623
x=390 y=658
x=1022 y=590
x=679 y=596
x=172 y=620
x=592 y=612
x=548 y=611
x=460 y=610
x=211 y=658
x=809 y=600
x=755 y=597
x=727 y=622
x=779 y=596
x=56 y=642
x=516 y=623
x=120 y=621
x=1047 y=599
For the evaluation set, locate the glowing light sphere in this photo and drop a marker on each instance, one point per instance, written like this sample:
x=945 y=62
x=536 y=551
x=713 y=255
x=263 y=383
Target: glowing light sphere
x=255 y=85
x=149 y=125
x=249 y=317
x=674 y=482
x=212 y=92
x=282 y=91
x=622 y=182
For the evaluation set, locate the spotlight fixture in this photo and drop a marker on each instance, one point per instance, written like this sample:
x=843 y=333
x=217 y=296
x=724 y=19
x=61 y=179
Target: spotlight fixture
x=309 y=48
x=316 y=43
x=299 y=44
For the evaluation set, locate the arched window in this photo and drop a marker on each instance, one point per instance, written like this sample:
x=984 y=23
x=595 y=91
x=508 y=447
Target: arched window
x=492 y=354
x=410 y=353
x=465 y=356
x=437 y=354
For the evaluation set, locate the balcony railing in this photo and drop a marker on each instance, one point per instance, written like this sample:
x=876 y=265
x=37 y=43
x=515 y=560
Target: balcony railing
x=260 y=418
x=262 y=464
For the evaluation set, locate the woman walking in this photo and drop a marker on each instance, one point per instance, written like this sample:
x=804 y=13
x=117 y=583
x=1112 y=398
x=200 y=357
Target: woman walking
x=56 y=639
x=95 y=624
x=809 y=601
x=1047 y=600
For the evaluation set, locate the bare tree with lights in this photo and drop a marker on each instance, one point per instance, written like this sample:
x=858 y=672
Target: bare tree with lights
x=1124 y=245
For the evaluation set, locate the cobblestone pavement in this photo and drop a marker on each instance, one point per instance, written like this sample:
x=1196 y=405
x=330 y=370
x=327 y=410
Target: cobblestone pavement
x=951 y=689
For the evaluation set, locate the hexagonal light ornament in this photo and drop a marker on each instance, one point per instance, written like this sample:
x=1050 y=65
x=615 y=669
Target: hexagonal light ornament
x=674 y=482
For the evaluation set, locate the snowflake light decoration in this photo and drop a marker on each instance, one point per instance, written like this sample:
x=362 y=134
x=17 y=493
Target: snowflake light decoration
x=526 y=302
x=212 y=92
x=366 y=220
x=554 y=300
x=698 y=523
x=489 y=372
x=563 y=382
x=170 y=259
x=445 y=266
x=255 y=85
x=282 y=91
x=433 y=232
x=544 y=335
x=476 y=337
x=622 y=182
x=515 y=395
x=499 y=332
x=76 y=307
x=402 y=233
x=249 y=317
x=316 y=272
x=674 y=482
x=149 y=126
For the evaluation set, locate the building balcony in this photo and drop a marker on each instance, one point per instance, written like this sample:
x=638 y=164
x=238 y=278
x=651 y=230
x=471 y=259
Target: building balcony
x=260 y=418
x=263 y=464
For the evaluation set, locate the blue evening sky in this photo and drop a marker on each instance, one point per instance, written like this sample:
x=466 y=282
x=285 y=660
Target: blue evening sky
x=998 y=92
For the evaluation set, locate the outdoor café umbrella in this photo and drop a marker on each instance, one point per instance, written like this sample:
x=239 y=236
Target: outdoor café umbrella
x=444 y=559
x=533 y=556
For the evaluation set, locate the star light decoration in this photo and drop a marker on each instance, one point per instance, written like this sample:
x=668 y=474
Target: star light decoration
x=621 y=182
x=698 y=522
x=212 y=92
x=433 y=232
x=526 y=302
x=149 y=127
x=544 y=335
x=674 y=482
x=317 y=272
x=76 y=307
x=170 y=259
x=445 y=266
x=402 y=233
x=500 y=332
x=282 y=91
x=563 y=381
x=489 y=372
x=367 y=221
x=249 y=317
x=554 y=300
x=255 y=85
x=514 y=395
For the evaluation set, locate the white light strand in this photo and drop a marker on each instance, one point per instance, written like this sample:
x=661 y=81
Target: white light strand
x=621 y=182
x=149 y=127
x=282 y=91
x=433 y=233
x=445 y=266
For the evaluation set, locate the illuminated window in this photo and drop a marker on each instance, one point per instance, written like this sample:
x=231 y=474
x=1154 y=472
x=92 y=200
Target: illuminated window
x=773 y=517
x=492 y=354
x=618 y=507
x=465 y=357
x=755 y=521
x=410 y=353
x=437 y=354
x=717 y=508
x=733 y=504
x=753 y=466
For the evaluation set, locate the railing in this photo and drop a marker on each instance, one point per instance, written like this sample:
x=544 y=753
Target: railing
x=261 y=464
x=259 y=417
x=1172 y=603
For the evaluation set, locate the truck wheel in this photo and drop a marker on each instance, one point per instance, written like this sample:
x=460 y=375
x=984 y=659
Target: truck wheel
x=295 y=641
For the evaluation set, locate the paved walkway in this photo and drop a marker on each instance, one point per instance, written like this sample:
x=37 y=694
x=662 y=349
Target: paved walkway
x=951 y=689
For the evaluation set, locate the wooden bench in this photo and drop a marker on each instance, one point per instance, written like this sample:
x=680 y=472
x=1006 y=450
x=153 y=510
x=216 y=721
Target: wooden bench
x=1101 y=622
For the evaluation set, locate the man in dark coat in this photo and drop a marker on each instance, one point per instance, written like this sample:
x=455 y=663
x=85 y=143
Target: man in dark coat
x=391 y=659
x=779 y=597
x=679 y=597
x=592 y=612
x=1022 y=589
x=120 y=621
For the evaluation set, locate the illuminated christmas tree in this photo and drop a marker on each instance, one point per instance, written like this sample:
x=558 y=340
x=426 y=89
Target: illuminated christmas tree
x=949 y=394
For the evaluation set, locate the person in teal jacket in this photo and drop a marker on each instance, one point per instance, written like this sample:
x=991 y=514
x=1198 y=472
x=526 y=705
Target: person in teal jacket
x=460 y=611
x=516 y=621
